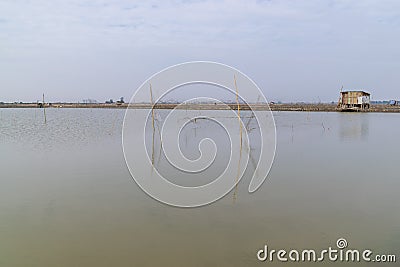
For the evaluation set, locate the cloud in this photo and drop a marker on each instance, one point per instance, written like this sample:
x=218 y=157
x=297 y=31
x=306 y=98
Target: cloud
x=283 y=22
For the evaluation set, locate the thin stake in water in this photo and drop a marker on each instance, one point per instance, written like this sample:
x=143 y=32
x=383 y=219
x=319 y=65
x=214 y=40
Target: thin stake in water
x=152 y=123
x=44 y=110
x=241 y=142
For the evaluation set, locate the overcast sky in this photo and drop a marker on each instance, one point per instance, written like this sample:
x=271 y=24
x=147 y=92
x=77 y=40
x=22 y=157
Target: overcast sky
x=294 y=50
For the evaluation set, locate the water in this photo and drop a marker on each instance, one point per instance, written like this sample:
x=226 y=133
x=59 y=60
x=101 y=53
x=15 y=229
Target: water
x=67 y=197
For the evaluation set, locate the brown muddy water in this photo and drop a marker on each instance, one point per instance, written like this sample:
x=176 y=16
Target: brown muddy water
x=68 y=199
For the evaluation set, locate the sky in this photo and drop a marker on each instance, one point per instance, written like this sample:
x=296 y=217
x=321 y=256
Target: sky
x=294 y=50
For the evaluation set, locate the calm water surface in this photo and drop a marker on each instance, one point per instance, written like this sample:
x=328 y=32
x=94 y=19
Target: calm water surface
x=67 y=197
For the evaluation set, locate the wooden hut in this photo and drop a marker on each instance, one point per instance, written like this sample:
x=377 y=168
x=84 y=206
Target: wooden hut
x=354 y=101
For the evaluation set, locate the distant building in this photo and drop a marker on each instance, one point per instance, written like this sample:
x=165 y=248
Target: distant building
x=120 y=101
x=354 y=100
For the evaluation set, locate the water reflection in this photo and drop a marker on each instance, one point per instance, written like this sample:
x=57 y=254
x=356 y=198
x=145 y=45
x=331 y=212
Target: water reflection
x=191 y=135
x=353 y=126
x=67 y=199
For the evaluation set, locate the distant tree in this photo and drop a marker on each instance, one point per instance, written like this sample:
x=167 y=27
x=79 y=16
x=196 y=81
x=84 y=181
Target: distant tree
x=89 y=101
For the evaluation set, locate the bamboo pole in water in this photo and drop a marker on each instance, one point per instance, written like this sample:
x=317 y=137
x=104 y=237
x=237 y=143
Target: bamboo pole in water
x=241 y=142
x=238 y=108
x=152 y=123
x=44 y=110
x=152 y=107
x=153 y=119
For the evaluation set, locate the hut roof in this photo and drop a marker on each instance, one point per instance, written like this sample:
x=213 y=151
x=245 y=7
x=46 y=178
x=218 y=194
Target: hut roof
x=359 y=91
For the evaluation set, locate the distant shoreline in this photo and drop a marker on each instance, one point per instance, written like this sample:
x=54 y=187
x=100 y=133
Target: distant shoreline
x=273 y=107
